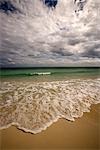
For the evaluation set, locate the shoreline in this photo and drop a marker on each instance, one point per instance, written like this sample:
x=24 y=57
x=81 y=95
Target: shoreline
x=60 y=135
x=34 y=107
x=15 y=124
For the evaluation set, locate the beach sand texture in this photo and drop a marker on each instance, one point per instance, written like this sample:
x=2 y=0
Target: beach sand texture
x=82 y=134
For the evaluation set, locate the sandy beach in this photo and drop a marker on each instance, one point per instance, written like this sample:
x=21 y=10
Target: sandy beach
x=49 y=75
x=84 y=133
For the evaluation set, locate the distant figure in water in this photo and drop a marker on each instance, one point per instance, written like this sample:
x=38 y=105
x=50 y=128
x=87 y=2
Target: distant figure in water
x=51 y=3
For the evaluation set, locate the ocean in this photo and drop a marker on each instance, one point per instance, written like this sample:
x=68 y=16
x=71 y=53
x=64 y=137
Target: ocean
x=34 y=98
x=53 y=73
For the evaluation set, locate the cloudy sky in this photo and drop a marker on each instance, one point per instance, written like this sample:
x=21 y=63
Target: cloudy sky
x=31 y=34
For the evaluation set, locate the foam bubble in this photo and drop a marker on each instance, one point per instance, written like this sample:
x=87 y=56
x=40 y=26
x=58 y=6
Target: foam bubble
x=33 y=107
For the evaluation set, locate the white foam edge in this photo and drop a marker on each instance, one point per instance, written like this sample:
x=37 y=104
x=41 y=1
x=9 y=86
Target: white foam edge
x=47 y=124
x=30 y=131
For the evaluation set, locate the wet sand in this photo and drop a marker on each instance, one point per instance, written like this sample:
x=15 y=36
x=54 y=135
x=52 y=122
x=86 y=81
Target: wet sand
x=84 y=133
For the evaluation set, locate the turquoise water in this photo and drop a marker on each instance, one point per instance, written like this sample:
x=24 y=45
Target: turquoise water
x=53 y=74
x=49 y=71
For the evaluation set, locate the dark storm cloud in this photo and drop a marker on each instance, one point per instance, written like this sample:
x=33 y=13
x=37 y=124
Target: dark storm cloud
x=91 y=54
x=92 y=51
x=93 y=34
x=62 y=52
x=73 y=41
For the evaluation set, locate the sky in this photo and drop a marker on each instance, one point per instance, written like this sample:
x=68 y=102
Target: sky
x=33 y=34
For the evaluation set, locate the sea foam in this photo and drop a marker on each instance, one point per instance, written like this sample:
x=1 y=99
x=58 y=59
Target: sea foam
x=33 y=106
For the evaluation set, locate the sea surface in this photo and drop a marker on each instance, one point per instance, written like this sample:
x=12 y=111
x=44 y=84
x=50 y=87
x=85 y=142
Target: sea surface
x=32 y=99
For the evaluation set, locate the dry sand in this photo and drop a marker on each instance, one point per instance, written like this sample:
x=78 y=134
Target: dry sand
x=83 y=134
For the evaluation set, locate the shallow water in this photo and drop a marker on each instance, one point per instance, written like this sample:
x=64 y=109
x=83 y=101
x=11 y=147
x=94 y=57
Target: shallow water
x=55 y=71
x=33 y=105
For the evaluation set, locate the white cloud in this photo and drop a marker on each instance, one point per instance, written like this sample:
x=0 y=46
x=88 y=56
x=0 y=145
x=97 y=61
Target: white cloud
x=36 y=35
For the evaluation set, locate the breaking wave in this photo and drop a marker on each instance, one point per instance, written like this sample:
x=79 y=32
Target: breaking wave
x=33 y=106
x=28 y=74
